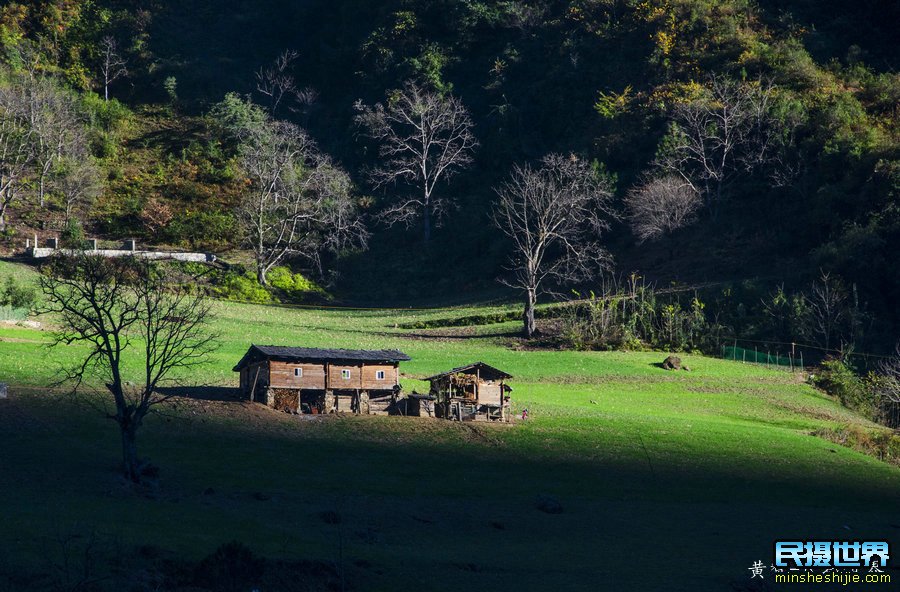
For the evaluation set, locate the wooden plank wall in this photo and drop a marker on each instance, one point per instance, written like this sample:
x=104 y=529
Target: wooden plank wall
x=490 y=394
x=371 y=383
x=337 y=382
x=283 y=375
x=362 y=376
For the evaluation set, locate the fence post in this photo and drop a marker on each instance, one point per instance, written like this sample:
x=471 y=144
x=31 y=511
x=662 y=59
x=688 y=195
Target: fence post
x=801 y=359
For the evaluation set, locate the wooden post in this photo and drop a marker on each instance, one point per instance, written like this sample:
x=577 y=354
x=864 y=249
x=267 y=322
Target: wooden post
x=253 y=388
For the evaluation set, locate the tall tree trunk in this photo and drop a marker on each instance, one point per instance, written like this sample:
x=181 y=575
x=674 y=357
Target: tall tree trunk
x=130 y=464
x=427 y=223
x=528 y=315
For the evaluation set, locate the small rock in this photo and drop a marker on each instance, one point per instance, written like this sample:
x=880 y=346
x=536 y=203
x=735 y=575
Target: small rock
x=548 y=505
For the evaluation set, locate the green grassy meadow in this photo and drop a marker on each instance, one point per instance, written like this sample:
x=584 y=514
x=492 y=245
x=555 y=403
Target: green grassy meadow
x=668 y=481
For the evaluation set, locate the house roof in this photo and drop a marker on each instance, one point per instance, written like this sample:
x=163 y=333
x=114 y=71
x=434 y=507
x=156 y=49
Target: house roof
x=285 y=353
x=485 y=370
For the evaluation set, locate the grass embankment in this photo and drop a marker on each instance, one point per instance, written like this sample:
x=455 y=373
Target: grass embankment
x=701 y=470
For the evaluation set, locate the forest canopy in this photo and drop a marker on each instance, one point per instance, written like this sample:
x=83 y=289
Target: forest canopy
x=759 y=138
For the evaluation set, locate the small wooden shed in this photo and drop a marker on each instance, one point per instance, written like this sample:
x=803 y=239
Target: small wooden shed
x=473 y=392
x=313 y=380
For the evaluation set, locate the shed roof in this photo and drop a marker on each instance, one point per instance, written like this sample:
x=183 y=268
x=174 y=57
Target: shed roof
x=485 y=370
x=290 y=354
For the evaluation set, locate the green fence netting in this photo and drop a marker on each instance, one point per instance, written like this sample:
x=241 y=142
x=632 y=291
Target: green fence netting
x=755 y=356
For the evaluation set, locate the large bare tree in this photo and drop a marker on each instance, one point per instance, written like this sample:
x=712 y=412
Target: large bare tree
x=112 y=64
x=17 y=145
x=425 y=138
x=58 y=129
x=554 y=214
x=827 y=310
x=660 y=206
x=727 y=131
x=298 y=203
x=123 y=311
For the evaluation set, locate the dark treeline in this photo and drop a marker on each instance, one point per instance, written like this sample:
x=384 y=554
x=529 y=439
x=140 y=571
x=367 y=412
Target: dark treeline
x=633 y=89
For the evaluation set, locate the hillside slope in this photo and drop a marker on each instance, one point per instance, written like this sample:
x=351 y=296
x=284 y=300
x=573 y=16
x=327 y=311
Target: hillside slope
x=720 y=458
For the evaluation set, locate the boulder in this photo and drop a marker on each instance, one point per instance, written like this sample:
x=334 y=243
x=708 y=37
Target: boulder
x=672 y=363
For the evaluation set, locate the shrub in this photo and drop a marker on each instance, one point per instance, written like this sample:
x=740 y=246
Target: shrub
x=214 y=230
x=107 y=115
x=72 y=236
x=244 y=288
x=840 y=380
x=17 y=296
x=294 y=285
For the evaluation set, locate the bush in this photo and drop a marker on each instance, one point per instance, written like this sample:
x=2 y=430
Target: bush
x=840 y=380
x=17 y=296
x=107 y=115
x=213 y=230
x=243 y=288
x=294 y=285
x=72 y=236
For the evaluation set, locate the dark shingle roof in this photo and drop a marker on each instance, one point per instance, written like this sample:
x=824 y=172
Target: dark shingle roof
x=280 y=352
x=489 y=371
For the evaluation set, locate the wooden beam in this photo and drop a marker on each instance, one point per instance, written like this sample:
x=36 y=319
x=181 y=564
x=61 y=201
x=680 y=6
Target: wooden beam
x=253 y=388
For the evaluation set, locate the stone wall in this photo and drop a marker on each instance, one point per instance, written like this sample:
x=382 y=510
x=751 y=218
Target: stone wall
x=43 y=252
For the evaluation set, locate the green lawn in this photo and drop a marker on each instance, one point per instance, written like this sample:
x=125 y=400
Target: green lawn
x=668 y=481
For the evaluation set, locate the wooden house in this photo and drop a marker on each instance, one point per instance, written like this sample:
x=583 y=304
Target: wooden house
x=473 y=392
x=310 y=380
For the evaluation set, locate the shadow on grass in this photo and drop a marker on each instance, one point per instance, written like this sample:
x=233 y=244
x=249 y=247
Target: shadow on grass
x=203 y=393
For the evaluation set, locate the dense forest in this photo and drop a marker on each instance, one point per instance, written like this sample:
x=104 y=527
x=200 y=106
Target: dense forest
x=768 y=130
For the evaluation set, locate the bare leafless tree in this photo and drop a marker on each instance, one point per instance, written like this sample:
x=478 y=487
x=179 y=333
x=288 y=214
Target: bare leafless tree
x=117 y=308
x=424 y=138
x=299 y=202
x=889 y=371
x=57 y=126
x=78 y=181
x=827 y=309
x=17 y=145
x=112 y=64
x=887 y=387
x=554 y=215
x=277 y=83
x=660 y=206
x=727 y=131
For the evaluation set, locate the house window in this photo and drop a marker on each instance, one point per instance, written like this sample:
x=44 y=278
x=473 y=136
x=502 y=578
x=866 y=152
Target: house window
x=345 y=374
x=379 y=375
x=298 y=372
